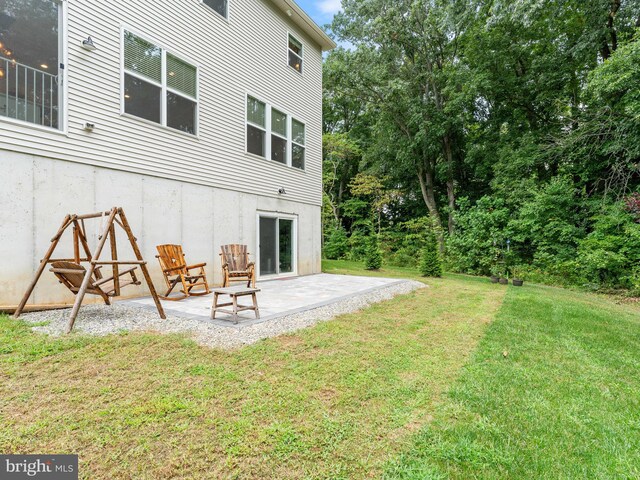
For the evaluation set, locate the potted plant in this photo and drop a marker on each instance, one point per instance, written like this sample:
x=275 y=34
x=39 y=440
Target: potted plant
x=495 y=274
x=518 y=276
x=502 y=273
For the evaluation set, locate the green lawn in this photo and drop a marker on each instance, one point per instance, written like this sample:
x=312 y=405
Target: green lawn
x=417 y=387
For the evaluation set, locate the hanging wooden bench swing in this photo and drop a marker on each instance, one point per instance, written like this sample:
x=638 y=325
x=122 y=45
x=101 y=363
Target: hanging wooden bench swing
x=80 y=280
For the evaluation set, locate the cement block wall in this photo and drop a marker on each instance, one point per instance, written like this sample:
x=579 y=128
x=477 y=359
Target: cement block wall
x=36 y=193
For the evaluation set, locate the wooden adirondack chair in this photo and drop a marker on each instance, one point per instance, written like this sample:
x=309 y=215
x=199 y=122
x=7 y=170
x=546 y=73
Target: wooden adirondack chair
x=72 y=274
x=177 y=272
x=236 y=265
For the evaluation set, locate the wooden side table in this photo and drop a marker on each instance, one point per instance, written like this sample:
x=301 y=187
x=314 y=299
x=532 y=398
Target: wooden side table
x=234 y=293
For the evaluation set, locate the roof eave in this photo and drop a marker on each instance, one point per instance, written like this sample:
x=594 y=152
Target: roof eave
x=304 y=21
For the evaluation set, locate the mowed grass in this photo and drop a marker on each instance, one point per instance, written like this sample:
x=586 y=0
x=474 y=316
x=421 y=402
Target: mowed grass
x=553 y=391
x=463 y=379
x=340 y=400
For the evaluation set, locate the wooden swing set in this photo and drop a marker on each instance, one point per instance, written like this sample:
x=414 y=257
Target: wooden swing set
x=80 y=280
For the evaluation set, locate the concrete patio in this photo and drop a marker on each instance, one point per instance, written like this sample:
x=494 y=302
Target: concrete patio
x=277 y=298
x=286 y=305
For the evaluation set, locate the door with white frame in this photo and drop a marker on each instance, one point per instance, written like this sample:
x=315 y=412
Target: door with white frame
x=277 y=245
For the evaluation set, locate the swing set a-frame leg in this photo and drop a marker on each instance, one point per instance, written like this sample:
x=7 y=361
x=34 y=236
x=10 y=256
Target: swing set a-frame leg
x=43 y=264
x=143 y=266
x=89 y=274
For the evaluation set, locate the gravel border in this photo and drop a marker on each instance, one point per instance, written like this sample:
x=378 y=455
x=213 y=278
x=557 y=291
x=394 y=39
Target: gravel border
x=103 y=320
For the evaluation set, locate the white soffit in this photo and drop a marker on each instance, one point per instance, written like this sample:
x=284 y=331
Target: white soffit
x=302 y=20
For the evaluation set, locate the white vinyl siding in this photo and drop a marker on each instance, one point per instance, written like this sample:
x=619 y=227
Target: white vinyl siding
x=216 y=156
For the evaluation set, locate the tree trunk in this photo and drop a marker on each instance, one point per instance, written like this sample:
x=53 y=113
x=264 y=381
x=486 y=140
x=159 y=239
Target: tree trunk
x=615 y=6
x=334 y=209
x=605 y=50
x=425 y=177
x=451 y=194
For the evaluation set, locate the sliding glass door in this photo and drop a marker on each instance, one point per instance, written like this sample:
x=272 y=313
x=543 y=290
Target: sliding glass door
x=276 y=245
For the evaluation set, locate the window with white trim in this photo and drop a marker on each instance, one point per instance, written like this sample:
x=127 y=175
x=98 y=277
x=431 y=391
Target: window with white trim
x=31 y=68
x=295 y=54
x=221 y=7
x=297 y=144
x=158 y=86
x=274 y=134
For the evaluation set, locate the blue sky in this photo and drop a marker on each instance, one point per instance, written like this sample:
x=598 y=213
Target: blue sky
x=322 y=11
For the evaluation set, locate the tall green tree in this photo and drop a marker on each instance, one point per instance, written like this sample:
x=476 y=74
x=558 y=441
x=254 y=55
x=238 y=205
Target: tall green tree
x=409 y=75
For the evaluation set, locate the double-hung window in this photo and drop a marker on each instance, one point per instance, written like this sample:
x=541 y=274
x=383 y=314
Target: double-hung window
x=158 y=86
x=275 y=135
x=279 y=136
x=256 y=127
x=297 y=144
x=295 y=54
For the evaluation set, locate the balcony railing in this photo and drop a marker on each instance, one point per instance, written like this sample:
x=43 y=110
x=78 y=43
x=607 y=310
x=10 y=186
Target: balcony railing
x=28 y=94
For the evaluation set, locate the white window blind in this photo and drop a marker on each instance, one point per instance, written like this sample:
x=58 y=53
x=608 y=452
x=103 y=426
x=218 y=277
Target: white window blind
x=158 y=86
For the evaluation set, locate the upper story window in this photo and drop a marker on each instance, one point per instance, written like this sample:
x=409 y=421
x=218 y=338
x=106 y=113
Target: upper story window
x=30 y=62
x=275 y=135
x=297 y=145
x=256 y=127
x=295 y=54
x=158 y=86
x=219 y=6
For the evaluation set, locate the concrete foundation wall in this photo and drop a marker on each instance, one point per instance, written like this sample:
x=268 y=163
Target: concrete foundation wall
x=38 y=192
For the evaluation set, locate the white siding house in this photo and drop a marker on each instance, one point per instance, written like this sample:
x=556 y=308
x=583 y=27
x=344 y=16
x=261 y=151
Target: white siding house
x=202 y=119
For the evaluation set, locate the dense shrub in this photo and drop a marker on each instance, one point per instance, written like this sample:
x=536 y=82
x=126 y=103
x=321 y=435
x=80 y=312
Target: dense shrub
x=337 y=244
x=402 y=245
x=373 y=258
x=481 y=233
x=553 y=238
x=550 y=224
x=610 y=255
x=403 y=257
x=357 y=246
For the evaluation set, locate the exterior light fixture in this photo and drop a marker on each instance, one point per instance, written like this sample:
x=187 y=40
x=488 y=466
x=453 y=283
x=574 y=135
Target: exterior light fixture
x=88 y=44
x=1 y=73
x=282 y=191
x=44 y=65
x=289 y=12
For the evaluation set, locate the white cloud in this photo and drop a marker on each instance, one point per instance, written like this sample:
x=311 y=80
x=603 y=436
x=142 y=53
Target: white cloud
x=330 y=7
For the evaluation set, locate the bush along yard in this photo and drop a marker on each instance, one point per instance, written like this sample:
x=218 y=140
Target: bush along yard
x=463 y=379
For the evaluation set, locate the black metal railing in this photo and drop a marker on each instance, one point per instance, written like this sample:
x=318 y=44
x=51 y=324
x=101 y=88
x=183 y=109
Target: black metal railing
x=28 y=94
